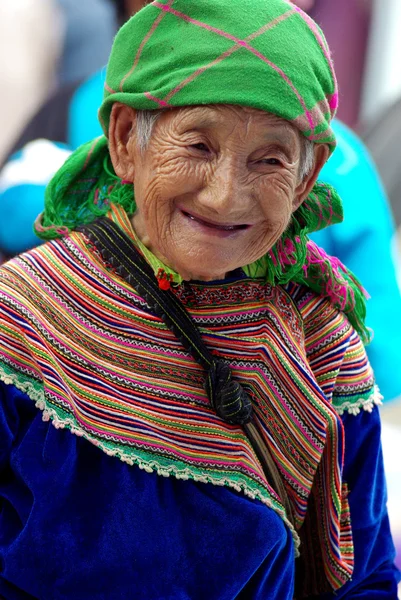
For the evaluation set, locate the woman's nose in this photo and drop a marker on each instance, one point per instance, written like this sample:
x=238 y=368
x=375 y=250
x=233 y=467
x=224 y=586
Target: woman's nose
x=225 y=191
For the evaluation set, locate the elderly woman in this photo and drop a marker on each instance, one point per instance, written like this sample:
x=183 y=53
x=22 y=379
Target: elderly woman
x=183 y=371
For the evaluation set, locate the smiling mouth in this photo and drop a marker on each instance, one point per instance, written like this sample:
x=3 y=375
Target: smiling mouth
x=211 y=225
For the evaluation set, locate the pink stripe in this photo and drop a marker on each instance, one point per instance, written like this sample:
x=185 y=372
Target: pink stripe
x=90 y=153
x=318 y=115
x=108 y=88
x=244 y=44
x=275 y=393
x=260 y=31
x=188 y=19
x=271 y=24
x=161 y=103
x=141 y=47
x=288 y=81
x=333 y=101
x=194 y=75
x=315 y=137
x=321 y=136
x=312 y=25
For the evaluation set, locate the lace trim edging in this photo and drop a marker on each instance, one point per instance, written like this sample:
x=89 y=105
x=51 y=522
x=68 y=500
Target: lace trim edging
x=366 y=404
x=20 y=382
x=150 y=466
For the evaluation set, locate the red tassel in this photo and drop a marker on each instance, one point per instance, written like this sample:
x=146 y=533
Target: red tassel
x=164 y=284
x=164 y=280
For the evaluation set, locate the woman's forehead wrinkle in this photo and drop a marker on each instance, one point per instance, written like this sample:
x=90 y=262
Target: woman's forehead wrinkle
x=281 y=135
x=209 y=117
x=198 y=118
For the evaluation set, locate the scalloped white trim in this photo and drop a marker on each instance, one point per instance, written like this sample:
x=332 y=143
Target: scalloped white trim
x=24 y=386
x=150 y=466
x=367 y=404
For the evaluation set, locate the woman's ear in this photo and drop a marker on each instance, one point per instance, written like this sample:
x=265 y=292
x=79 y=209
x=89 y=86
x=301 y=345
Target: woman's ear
x=304 y=188
x=122 y=140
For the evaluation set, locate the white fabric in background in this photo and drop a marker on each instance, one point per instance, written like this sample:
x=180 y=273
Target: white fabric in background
x=31 y=36
x=391 y=440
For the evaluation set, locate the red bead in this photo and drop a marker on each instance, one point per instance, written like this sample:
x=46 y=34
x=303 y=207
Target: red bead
x=164 y=284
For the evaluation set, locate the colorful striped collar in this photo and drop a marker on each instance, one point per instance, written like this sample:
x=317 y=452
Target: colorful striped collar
x=99 y=362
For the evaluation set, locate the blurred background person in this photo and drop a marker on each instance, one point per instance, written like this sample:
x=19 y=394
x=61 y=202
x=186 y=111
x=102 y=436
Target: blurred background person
x=382 y=136
x=49 y=44
x=90 y=27
x=30 y=44
x=68 y=117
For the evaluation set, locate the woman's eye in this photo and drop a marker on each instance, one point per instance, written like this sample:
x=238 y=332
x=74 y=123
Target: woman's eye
x=200 y=146
x=270 y=161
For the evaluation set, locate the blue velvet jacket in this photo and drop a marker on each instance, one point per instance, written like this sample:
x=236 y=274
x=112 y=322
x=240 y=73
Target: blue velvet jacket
x=78 y=524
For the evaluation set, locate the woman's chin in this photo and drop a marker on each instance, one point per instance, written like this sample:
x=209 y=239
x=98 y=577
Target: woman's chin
x=198 y=273
x=206 y=278
x=206 y=263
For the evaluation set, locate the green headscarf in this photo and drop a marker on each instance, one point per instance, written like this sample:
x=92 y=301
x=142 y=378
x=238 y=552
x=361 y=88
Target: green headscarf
x=265 y=54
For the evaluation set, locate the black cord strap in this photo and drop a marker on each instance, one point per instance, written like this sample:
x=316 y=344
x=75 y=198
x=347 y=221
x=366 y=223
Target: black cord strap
x=227 y=396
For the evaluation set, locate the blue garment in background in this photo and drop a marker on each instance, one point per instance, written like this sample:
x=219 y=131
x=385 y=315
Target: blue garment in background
x=363 y=242
x=23 y=181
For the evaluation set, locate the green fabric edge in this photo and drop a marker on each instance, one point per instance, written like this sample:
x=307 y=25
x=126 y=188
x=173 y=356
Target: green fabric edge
x=24 y=383
x=353 y=406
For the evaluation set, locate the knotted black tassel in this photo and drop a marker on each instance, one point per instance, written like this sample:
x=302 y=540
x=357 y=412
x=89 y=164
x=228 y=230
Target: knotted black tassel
x=227 y=396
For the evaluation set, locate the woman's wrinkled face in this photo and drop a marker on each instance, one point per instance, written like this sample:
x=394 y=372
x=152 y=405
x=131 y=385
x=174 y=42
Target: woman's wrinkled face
x=215 y=188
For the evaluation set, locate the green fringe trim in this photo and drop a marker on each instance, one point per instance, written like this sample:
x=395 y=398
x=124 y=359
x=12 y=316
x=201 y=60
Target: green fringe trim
x=353 y=406
x=28 y=385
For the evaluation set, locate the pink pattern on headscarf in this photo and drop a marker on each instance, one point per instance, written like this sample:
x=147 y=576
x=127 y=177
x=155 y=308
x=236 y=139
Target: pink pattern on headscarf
x=336 y=288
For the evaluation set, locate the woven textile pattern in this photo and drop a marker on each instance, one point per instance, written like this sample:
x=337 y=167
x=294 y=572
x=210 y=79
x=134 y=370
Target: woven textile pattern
x=96 y=359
